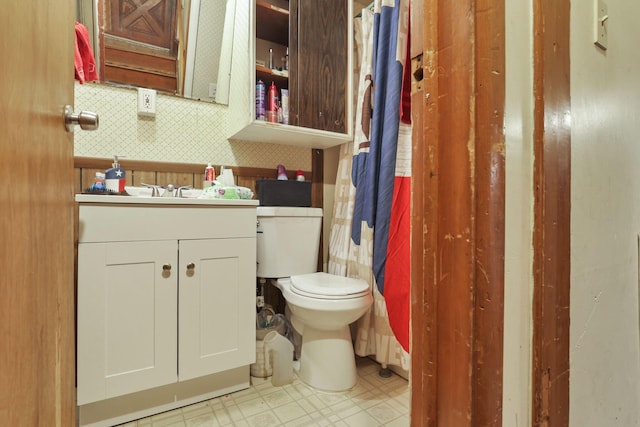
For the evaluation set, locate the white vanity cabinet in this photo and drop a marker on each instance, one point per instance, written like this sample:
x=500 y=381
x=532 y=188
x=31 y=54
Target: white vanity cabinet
x=166 y=304
x=127 y=317
x=216 y=280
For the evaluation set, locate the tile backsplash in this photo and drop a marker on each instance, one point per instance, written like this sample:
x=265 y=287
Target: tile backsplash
x=183 y=131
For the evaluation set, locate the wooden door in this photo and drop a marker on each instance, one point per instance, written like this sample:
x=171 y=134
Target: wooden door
x=36 y=214
x=217 y=309
x=318 y=49
x=127 y=317
x=140 y=46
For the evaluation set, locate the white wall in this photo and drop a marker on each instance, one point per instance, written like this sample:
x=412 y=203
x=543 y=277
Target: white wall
x=518 y=215
x=605 y=218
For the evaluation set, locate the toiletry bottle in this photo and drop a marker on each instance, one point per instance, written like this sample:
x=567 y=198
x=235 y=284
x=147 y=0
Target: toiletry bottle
x=299 y=175
x=115 y=177
x=282 y=173
x=209 y=176
x=261 y=90
x=271 y=59
x=285 y=106
x=285 y=63
x=272 y=104
x=98 y=183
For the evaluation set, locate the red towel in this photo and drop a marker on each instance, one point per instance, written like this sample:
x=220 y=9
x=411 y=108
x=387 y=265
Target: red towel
x=85 y=62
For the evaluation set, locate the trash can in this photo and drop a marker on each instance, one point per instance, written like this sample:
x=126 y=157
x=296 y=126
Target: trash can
x=263 y=367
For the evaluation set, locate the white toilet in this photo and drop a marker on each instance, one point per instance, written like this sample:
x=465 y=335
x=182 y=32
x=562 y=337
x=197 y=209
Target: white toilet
x=321 y=305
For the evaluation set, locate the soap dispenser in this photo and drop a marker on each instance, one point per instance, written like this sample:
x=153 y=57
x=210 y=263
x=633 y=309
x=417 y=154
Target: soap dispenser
x=115 y=177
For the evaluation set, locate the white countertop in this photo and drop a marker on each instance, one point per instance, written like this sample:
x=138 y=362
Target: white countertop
x=140 y=200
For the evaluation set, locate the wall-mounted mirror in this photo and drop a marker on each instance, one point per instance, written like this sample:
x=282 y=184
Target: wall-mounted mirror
x=182 y=47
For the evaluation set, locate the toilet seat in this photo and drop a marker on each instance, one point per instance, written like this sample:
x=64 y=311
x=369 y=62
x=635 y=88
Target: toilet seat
x=328 y=286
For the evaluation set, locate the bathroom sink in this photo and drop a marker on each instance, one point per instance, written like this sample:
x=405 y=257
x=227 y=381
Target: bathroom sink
x=147 y=192
x=142 y=195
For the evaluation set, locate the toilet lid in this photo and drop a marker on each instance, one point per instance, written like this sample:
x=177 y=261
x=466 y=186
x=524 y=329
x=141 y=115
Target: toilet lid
x=328 y=286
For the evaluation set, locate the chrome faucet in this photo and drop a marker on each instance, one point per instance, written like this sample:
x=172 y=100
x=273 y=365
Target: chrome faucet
x=154 y=189
x=184 y=187
x=168 y=191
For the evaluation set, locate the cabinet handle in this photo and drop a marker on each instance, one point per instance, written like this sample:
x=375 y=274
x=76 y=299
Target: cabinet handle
x=166 y=267
x=191 y=266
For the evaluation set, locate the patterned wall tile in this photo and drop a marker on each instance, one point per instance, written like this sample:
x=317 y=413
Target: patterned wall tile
x=183 y=131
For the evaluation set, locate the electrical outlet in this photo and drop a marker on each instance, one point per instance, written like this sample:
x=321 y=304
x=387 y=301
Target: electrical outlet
x=212 y=90
x=146 y=102
x=602 y=25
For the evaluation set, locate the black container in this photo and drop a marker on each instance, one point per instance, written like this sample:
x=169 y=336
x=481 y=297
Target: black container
x=273 y=192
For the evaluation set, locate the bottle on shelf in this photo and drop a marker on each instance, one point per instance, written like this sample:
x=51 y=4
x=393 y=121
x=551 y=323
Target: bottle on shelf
x=261 y=90
x=285 y=61
x=284 y=100
x=272 y=103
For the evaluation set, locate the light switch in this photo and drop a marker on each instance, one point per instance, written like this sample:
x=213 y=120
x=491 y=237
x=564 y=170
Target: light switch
x=602 y=25
x=146 y=102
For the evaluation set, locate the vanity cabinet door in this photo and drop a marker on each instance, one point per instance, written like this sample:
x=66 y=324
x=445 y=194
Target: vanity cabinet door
x=127 y=317
x=216 y=305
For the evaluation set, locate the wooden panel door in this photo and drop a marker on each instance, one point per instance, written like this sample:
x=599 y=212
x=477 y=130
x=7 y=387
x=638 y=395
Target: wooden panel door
x=140 y=46
x=151 y=22
x=217 y=305
x=127 y=317
x=318 y=71
x=36 y=214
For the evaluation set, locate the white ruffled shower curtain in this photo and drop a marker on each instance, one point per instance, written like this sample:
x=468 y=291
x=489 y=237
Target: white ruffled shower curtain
x=373 y=335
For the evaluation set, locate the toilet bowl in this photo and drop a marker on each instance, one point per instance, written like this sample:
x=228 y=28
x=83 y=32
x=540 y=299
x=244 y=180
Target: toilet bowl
x=322 y=306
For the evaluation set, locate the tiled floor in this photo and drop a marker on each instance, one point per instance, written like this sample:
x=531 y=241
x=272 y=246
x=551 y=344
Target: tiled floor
x=374 y=401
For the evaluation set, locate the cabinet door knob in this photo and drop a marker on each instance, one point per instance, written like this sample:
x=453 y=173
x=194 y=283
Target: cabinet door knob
x=191 y=266
x=166 y=267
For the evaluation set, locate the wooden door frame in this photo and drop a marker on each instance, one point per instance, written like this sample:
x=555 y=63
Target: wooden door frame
x=458 y=175
x=458 y=216
x=552 y=213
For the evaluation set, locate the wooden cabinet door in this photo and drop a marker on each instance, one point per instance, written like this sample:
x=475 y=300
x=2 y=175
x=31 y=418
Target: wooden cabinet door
x=127 y=317
x=318 y=52
x=216 y=305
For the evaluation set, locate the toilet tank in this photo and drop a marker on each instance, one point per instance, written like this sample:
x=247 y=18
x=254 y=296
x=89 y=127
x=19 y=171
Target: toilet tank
x=287 y=240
